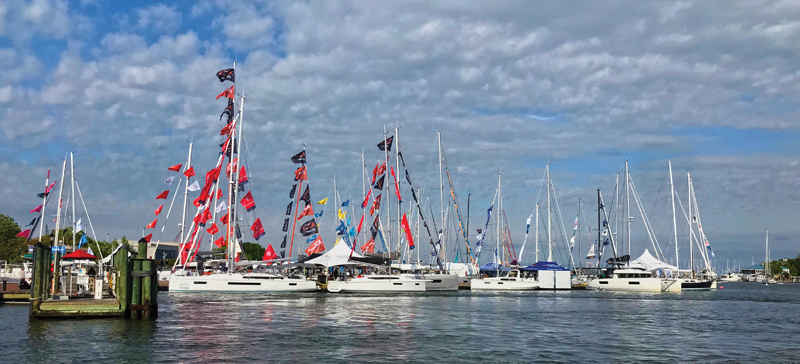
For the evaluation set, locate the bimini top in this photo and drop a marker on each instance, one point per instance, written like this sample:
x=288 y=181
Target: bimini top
x=545 y=266
x=491 y=267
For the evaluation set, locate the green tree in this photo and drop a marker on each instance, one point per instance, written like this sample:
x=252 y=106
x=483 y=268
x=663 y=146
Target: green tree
x=11 y=246
x=253 y=251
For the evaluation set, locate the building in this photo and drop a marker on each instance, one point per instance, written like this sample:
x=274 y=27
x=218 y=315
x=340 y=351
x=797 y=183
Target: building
x=165 y=250
x=753 y=271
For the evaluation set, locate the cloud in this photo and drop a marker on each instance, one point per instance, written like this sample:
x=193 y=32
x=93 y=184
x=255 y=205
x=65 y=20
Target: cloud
x=159 y=18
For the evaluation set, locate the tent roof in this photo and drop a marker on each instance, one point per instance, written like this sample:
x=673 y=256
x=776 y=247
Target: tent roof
x=491 y=267
x=338 y=255
x=648 y=262
x=545 y=266
x=79 y=254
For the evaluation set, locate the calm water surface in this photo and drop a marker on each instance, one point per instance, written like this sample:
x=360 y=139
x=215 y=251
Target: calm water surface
x=743 y=322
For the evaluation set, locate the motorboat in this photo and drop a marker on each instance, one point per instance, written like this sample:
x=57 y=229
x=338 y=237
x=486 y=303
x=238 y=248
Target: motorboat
x=633 y=280
x=435 y=280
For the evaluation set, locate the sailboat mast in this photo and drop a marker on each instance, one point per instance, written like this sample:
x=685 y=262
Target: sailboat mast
x=72 y=196
x=44 y=207
x=441 y=191
x=599 y=227
x=549 y=220
x=388 y=200
x=766 y=259
x=497 y=219
x=674 y=215
x=56 y=260
x=691 y=248
x=578 y=233
x=536 y=229
x=186 y=193
x=628 y=210
x=397 y=185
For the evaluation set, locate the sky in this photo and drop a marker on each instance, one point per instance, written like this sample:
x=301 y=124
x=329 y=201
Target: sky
x=711 y=86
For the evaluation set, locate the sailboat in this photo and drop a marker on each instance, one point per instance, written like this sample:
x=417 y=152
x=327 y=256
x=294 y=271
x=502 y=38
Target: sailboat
x=705 y=281
x=767 y=266
x=227 y=278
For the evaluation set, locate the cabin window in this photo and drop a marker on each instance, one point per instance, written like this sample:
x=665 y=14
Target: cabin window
x=244 y=283
x=292 y=284
x=632 y=282
x=397 y=284
x=436 y=281
x=603 y=282
x=196 y=282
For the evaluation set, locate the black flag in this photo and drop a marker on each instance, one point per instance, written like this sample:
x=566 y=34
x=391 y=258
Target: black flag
x=226 y=75
x=306 y=197
x=228 y=111
x=238 y=232
x=408 y=178
x=41 y=195
x=289 y=208
x=414 y=195
x=299 y=157
x=283 y=255
x=294 y=189
x=32 y=221
x=283 y=244
x=379 y=184
x=383 y=145
x=285 y=225
x=309 y=228
x=402 y=159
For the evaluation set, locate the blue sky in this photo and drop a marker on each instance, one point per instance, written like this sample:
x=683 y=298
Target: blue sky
x=515 y=85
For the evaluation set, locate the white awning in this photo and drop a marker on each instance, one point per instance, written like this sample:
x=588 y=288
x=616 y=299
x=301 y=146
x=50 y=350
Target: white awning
x=648 y=262
x=338 y=255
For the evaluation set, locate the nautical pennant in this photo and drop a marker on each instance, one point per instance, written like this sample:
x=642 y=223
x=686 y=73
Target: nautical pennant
x=388 y=142
x=169 y=180
x=269 y=253
x=158 y=210
x=258 y=229
x=227 y=93
x=162 y=195
x=299 y=158
x=176 y=168
x=189 y=172
x=227 y=74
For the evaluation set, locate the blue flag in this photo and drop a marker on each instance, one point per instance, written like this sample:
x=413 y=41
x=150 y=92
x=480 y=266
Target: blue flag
x=83 y=241
x=346 y=203
x=319 y=214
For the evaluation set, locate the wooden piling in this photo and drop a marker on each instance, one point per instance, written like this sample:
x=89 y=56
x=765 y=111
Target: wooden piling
x=136 y=289
x=123 y=279
x=149 y=290
x=38 y=277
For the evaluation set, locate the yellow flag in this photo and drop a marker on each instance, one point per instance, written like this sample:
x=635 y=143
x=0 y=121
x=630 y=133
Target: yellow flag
x=323 y=201
x=341 y=214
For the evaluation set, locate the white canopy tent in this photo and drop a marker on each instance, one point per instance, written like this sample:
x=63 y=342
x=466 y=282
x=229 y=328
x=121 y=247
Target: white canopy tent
x=648 y=262
x=338 y=255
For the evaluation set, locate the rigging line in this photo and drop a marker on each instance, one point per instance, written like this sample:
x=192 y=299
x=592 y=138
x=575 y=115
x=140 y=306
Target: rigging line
x=561 y=219
x=696 y=240
x=646 y=221
x=90 y=220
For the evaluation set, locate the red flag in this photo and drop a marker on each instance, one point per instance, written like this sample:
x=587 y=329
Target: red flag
x=396 y=187
x=152 y=224
x=213 y=229
x=237 y=254
x=366 y=199
x=148 y=237
x=269 y=254
x=242 y=176
x=24 y=234
x=307 y=211
x=201 y=218
x=158 y=210
x=227 y=93
x=226 y=130
x=50 y=187
x=189 y=172
x=300 y=174
x=410 y=239
x=162 y=195
x=220 y=242
x=176 y=168
x=375 y=173
x=359 y=224
x=368 y=247
x=228 y=167
x=382 y=169
x=224 y=219
x=196 y=201
x=376 y=205
x=258 y=229
x=37 y=209
x=248 y=202
x=316 y=246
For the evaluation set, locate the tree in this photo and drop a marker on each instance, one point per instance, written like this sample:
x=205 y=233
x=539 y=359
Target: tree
x=253 y=251
x=10 y=243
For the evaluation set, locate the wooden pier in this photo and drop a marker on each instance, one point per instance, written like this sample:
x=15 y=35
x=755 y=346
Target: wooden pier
x=134 y=293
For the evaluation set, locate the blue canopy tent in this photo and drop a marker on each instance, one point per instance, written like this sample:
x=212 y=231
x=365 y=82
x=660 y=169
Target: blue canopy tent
x=491 y=267
x=551 y=275
x=545 y=266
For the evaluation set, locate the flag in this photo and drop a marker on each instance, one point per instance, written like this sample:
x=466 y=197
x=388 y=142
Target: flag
x=224 y=219
x=194 y=187
x=407 y=230
x=90 y=251
x=289 y=208
x=309 y=228
x=82 y=241
x=176 y=168
x=408 y=178
x=79 y=225
x=360 y=223
x=33 y=221
x=220 y=242
x=323 y=201
x=299 y=157
x=213 y=229
x=24 y=234
x=352 y=231
x=376 y=205
x=369 y=246
x=189 y=172
x=227 y=93
x=285 y=224
x=576 y=224
x=232 y=166
x=375 y=173
x=293 y=191
x=307 y=211
x=200 y=219
x=316 y=247
x=169 y=180
x=379 y=185
x=243 y=177
x=300 y=174
x=162 y=195
x=283 y=255
x=248 y=202
x=571 y=243
x=50 y=187
x=258 y=229
x=346 y=203
x=341 y=229
x=396 y=186
x=228 y=111
x=283 y=244
x=269 y=254
x=226 y=75
x=227 y=129
x=342 y=214
x=366 y=199
x=152 y=224
x=37 y=209
x=306 y=197
x=158 y=210
x=148 y=237
x=386 y=144
x=221 y=207
x=319 y=214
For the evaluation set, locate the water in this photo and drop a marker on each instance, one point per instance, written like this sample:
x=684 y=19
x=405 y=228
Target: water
x=743 y=322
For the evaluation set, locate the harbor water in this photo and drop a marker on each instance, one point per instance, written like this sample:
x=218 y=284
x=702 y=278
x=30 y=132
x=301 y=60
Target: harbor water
x=744 y=322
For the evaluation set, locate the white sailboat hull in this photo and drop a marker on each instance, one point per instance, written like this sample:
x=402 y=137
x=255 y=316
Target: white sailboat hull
x=240 y=283
x=378 y=283
x=635 y=284
x=437 y=282
x=503 y=284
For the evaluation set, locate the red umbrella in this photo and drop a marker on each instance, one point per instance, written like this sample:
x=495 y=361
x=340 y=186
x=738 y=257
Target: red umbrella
x=79 y=254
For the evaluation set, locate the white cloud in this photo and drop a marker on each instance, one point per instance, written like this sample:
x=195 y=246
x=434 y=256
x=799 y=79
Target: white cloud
x=159 y=17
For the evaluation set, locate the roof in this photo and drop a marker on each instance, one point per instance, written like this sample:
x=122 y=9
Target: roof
x=754 y=267
x=340 y=254
x=491 y=267
x=648 y=262
x=545 y=266
x=79 y=254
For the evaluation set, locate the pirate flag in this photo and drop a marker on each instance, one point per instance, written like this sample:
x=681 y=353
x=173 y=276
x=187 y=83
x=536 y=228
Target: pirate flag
x=283 y=244
x=379 y=184
x=226 y=75
x=309 y=228
x=285 y=225
x=294 y=189
x=228 y=111
x=386 y=144
x=306 y=197
x=289 y=208
x=299 y=157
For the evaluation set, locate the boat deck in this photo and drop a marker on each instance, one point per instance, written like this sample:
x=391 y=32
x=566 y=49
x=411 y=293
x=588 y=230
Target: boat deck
x=81 y=307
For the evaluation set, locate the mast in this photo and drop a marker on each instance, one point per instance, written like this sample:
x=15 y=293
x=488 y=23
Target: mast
x=691 y=248
x=186 y=193
x=599 y=227
x=628 y=210
x=44 y=207
x=388 y=199
x=397 y=186
x=536 y=229
x=766 y=258
x=56 y=260
x=363 y=193
x=674 y=214
x=549 y=220
x=72 y=196
x=497 y=219
x=441 y=190
x=578 y=233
